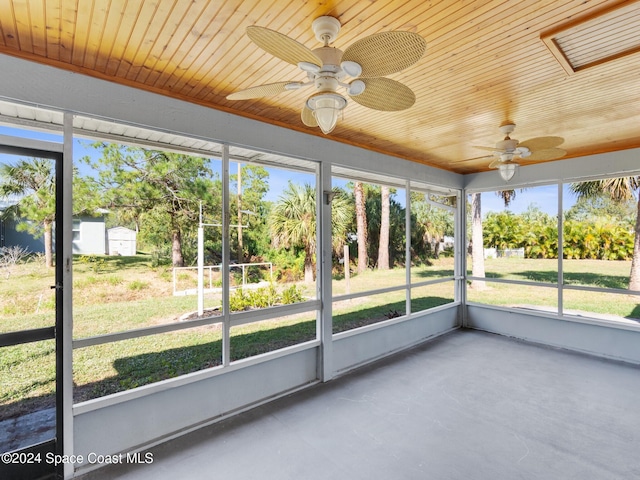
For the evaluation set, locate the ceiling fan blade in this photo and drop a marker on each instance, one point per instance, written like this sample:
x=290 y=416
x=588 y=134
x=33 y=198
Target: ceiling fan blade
x=475 y=159
x=539 y=143
x=267 y=90
x=307 y=117
x=546 y=154
x=385 y=94
x=488 y=149
x=495 y=163
x=385 y=53
x=281 y=46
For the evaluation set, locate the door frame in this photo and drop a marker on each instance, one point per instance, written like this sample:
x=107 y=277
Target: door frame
x=44 y=467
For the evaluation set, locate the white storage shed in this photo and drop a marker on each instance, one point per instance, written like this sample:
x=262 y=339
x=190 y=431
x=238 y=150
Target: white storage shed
x=121 y=241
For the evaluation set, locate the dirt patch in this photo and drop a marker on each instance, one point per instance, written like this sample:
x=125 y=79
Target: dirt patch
x=206 y=313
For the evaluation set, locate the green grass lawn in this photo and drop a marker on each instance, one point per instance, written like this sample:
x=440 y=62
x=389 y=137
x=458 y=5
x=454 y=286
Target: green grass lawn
x=127 y=293
x=594 y=273
x=591 y=273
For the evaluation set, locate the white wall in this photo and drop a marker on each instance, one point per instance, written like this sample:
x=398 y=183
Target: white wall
x=154 y=413
x=583 y=335
x=354 y=348
x=92 y=237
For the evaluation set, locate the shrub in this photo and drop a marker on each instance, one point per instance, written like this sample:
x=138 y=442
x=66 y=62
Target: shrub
x=96 y=264
x=38 y=258
x=293 y=294
x=448 y=252
x=288 y=264
x=263 y=297
x=160 y=257
x=11 y=256
x=238 y=301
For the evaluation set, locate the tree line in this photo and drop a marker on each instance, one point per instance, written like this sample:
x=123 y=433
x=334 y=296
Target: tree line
x=604 y=224
x=596 y=238
x=162 y=196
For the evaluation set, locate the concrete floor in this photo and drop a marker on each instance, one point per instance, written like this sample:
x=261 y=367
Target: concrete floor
x=468 y=405
x=26 y=430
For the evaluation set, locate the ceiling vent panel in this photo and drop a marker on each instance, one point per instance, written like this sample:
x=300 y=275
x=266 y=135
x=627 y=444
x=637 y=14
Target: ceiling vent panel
x=607 y=35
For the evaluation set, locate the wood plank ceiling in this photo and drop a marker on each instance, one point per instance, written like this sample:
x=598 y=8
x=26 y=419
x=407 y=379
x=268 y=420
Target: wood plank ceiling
x=486 y=62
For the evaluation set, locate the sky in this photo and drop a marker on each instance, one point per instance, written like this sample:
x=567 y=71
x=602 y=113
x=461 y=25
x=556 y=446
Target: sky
x=543 y=197
x=278 y=179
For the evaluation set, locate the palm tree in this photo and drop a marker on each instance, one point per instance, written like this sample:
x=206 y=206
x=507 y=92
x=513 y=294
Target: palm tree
x=341 y=218
x=292 y=222
x=477 y=241
x=432 y=222
x=34 y=182
x=619 y=190
x=361 y=226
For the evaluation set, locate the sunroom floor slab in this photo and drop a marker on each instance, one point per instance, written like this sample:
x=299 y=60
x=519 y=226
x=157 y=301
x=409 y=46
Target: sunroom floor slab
x=467 y=405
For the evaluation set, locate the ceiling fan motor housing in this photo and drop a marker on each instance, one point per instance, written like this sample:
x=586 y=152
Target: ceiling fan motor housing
x=326 y=29
x=331 y=58
x=328 y=78
x=326 y=83
x=507 y=127
x=508 y=145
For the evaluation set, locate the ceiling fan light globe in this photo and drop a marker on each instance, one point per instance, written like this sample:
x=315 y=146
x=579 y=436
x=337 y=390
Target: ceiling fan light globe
x=326 y=108
x=308 y=67
x=327 y=118
x=507 y=170
x=356 y=87
x=352 y=69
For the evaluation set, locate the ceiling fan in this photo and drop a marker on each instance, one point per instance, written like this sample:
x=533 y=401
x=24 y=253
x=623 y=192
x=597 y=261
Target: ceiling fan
x=534 y=149
x=366 y=62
